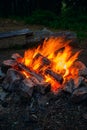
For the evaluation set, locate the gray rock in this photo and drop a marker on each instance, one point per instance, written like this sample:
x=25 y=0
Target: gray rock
x=79 y=94
x=83 y=72
x=78 y=81
x=26 y=88
x=69 y=86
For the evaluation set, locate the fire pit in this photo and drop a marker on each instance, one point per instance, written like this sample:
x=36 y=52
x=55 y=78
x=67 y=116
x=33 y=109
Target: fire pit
x=51 y=67
x=41 y=87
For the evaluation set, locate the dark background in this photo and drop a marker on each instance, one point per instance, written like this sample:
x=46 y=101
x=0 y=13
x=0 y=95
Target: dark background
x=26 y=7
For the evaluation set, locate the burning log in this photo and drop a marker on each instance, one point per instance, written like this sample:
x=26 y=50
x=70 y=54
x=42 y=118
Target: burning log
x=56 y=76
x=30 y=72
x=17 y=57
x=45 y=61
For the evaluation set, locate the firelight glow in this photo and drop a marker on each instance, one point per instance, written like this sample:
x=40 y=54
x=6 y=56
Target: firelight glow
x=58 y=52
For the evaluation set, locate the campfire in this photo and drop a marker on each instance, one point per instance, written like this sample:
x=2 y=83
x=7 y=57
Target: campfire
x=52 y=66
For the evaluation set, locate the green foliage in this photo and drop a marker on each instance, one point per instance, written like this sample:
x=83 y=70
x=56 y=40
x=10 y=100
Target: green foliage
x=68 y=20
x=41 y=17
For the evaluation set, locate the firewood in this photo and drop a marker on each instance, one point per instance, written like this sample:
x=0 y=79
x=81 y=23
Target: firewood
x=55 y=75
x=10 y=63
x=31 y=72
x=44 y=59
x=12 y=80
x=26 y=88
x=17 y=57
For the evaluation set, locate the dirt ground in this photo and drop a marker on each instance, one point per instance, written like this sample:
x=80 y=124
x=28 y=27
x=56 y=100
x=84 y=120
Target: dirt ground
x=60 y=113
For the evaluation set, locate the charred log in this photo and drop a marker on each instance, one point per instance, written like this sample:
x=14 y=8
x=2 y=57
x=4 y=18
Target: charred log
x=56 y=76
x=44 y=60
x=31 y=72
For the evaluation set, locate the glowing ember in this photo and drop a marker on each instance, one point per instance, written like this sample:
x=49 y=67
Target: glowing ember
x=54 y=54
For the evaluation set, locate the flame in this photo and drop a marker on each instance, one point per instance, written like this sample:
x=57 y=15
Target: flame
x=26 y=74
x=58 y=52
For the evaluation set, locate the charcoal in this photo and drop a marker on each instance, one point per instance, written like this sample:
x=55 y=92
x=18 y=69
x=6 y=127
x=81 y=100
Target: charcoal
x=69 y=86
x=12 y=80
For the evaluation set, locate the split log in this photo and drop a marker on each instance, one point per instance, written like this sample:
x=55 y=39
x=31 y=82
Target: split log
x=56 y=76
x=26 y=88
x=41 y=87
x=31 y=72
x=17 y=57
x=8 y=64
x=45 y=60
x=12 y=80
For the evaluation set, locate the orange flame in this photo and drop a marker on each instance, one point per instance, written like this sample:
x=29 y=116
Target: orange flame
x=58 y=52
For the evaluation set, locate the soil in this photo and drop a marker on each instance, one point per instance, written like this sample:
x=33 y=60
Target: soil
x=60 y=113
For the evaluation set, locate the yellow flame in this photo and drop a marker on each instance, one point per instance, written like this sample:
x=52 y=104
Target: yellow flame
x=61 y=59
